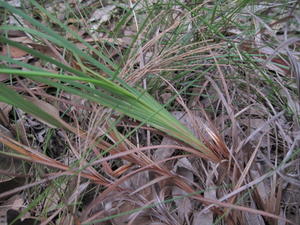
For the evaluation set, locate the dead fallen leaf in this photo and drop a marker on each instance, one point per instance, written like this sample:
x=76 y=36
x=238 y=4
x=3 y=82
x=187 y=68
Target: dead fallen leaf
x=4 y=77
x=184 y=168
x=50 y=109
x=43 y=49
x=13 y=52
x=253 y=218
x=4 y=116
x=202 y=218
x=15 y=3
x=7 y=164
x=13 y=214
x=20 y=130
x=103 y=14
x=15 y=202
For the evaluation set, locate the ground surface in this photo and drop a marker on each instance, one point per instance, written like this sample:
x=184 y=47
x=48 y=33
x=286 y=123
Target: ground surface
x=83 y=141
